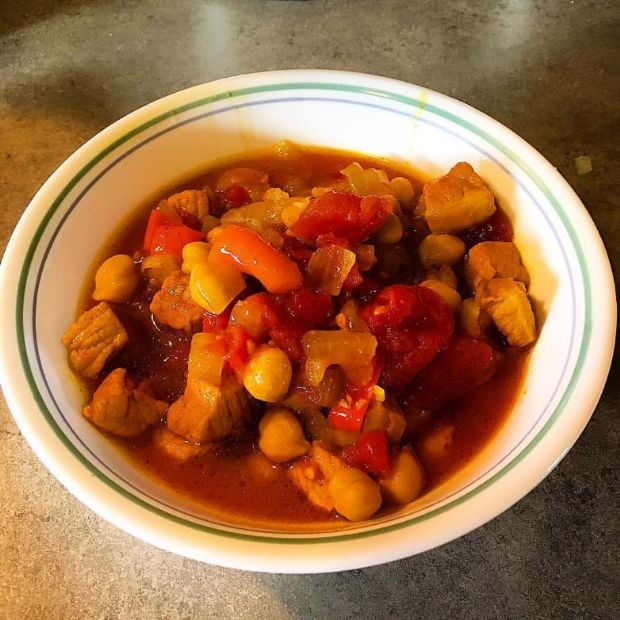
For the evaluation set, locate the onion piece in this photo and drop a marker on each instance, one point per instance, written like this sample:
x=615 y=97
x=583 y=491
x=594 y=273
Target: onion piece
x=329 y=267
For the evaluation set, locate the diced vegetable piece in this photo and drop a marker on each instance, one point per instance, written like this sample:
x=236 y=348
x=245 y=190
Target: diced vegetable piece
x=253 y=181
x=366 y=182
x=403 y=191
x=355 y=495
x=239 y=348
x=444 y=274
x=209 y=223
x=457 y=201
x=206 y=357
x=411 y=324
x=116 y=279
x=344 y=215
x=157 y=267
x=386 y=416
x=507 y=303
x=214 y=286
x=391 y=231
x=266 y=213
x=349 y=318
x=405 y=480
x=352 y=351
x=158 y=218
x=244 y=250
x=268 y=374
x=494 y=259
x=369 y=453
x=436 y=250
x=447 y=293
x=214 y=322
x=437 y=444
x=465 y=364
x=473 y=319
x=281 y=437
x=194 y=253
x=365 y=255
x=171 y=239
x=329 y=267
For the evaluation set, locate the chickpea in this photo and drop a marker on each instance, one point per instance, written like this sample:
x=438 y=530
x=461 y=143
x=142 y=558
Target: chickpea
x=281 y=437
x=116 y=279
x=444 y=274
x=441 y=250
x=405 y=480
x=403 y=191
x=474 y=320
x=268 y=374
x=356 y=496
x=194 y=253
x=391 y=231
x=449 y=295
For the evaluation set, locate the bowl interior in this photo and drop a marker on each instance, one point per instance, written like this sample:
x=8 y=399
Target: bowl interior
x=76 y=211
x=177 y=147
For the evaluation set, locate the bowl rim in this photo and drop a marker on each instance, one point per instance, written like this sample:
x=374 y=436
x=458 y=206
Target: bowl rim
x=240 y=86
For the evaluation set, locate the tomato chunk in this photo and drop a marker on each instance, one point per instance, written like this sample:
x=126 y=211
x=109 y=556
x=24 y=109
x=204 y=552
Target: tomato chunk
x=465 y=364
x=411 y=324
x=343 y=215
x=369 y=453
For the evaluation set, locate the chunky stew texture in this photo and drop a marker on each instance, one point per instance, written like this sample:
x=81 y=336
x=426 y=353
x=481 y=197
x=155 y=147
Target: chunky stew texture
x=307 y=336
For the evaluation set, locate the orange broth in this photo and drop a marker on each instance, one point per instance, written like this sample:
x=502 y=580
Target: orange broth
x=234 y=478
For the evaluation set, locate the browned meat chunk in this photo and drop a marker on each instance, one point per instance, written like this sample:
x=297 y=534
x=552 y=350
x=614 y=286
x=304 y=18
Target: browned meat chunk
x=95 y=337
x=507 y=303
x=190 y=204
x=457 y=201
x=121 y=409
x=208 y=412
x=176 y=447
x=312 y=474
x=494 y=259
x=173 y=305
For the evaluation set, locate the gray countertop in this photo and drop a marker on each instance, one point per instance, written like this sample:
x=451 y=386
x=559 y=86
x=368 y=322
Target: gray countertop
x=549 y=70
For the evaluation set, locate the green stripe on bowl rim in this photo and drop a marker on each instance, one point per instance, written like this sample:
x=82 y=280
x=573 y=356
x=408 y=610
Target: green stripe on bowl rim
x=314 y=86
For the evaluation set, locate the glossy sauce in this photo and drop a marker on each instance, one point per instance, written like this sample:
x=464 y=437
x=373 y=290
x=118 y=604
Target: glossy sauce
x=234 y=478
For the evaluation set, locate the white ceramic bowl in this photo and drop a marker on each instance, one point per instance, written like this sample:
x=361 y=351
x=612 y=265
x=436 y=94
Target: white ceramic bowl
x=78 y=207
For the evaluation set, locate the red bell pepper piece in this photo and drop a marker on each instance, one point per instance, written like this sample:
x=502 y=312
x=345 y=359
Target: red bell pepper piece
x=157 y=218
x=349 y=412
x=171 y=239
x=369 y=453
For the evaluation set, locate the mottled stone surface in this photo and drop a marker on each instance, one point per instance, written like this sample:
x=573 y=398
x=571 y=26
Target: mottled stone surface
x=547 y=69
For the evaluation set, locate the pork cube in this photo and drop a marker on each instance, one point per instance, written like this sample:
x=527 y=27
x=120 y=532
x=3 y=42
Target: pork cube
x=494 y=259
x=312 y=473
x=95 y=337
x=456 y=201
x=507 y=303
x=121 y=409
x=207 y=412
x=173 y=304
